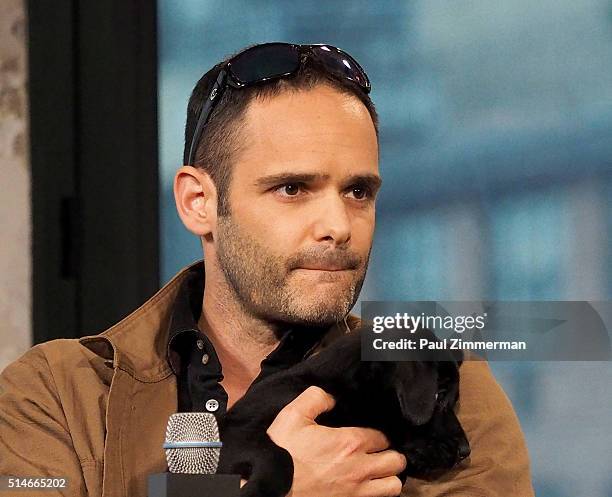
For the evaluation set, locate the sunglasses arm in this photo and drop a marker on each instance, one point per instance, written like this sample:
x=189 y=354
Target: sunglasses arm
x=215 y=94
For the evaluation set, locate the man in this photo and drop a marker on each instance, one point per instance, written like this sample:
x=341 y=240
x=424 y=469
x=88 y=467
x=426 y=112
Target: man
x=279 y=183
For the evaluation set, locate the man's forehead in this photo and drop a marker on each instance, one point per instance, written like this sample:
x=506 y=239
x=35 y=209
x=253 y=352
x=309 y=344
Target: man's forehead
x=321 y=110
x=317 y=131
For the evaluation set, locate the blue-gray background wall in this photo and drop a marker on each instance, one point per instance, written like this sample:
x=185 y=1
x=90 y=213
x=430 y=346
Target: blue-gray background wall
x=496 y=154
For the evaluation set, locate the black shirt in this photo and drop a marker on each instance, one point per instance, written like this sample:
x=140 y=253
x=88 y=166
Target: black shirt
x=194 y=361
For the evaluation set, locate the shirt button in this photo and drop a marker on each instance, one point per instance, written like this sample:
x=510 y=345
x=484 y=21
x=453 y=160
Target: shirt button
x=212 y=405
x=205 y=358
x=200 y=344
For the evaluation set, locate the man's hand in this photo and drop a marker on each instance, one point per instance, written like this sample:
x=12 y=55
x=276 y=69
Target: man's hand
x=335 y=462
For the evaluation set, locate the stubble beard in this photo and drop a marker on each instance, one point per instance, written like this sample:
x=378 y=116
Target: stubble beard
x=261 y=281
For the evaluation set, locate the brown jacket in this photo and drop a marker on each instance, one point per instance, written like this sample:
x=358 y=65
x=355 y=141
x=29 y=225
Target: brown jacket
x=95 y=410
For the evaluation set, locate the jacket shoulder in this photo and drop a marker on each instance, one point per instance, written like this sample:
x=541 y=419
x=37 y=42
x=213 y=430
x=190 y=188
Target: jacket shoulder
x=60 y=358
x=53 y=403
x=41 y=359
x=55 y=373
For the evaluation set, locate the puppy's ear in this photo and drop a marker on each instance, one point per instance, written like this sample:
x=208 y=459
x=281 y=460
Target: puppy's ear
x=448 y=384
x=416 y=386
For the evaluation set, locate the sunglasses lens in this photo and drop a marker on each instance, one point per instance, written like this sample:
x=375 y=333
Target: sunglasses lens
x=265 y=62
x=341 y=64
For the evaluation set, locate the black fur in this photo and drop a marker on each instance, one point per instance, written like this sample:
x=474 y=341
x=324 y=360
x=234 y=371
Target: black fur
x=410 y=402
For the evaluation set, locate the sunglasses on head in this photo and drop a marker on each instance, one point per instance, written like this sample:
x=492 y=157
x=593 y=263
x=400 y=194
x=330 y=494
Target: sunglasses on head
x=272 y=61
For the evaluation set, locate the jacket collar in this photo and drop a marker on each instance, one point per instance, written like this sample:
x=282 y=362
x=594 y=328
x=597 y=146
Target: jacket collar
x=139 y=343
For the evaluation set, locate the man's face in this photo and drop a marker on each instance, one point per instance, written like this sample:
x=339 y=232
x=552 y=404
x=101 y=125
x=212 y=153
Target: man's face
x=296 y=244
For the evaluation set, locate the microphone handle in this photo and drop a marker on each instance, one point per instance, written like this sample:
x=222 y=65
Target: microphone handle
x=189 y=485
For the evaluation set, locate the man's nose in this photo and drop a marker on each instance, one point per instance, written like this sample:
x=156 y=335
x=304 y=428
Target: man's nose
x=333 y=222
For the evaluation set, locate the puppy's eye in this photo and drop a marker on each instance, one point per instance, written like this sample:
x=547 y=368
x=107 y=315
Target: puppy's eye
x=440 y=394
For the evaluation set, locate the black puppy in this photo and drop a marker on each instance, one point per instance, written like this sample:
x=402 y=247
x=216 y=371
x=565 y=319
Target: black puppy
x=410 y=402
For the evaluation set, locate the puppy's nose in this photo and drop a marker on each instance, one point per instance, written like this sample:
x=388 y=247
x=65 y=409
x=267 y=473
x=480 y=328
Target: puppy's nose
x=463 y=450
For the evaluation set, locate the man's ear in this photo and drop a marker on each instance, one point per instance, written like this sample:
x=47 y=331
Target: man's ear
x=195 y=196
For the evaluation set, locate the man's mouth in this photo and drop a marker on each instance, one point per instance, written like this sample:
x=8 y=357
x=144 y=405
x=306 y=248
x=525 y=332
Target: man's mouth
x=337 y=262
x=326 y=267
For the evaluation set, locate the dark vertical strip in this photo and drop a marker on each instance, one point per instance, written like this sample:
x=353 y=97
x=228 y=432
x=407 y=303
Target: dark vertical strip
x=52 y=158
x=76 y=202
x=93 y=121
x=118 y=164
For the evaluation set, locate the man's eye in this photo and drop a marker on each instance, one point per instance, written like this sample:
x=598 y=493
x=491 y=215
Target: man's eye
x=289 y=189
x=360 y=192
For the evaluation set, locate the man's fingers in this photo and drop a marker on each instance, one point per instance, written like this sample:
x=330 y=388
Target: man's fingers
x=365 y=439
x=382 y=487
x=309 y=404
x=385 y=463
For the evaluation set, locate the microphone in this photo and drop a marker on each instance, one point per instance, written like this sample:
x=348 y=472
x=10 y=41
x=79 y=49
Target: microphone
x=192 y=451
x=192 y=443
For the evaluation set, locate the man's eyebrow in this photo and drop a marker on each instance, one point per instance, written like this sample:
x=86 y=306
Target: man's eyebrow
x=277 y=179
x=373 y=181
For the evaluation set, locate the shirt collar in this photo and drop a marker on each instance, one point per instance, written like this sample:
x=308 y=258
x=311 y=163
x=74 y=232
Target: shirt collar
x=296 y=342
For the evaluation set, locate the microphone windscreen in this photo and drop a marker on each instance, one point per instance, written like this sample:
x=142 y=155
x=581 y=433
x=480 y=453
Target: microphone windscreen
x=192 y=427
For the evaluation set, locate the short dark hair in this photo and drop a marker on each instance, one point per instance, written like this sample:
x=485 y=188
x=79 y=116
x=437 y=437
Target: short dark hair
x=220 y=142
